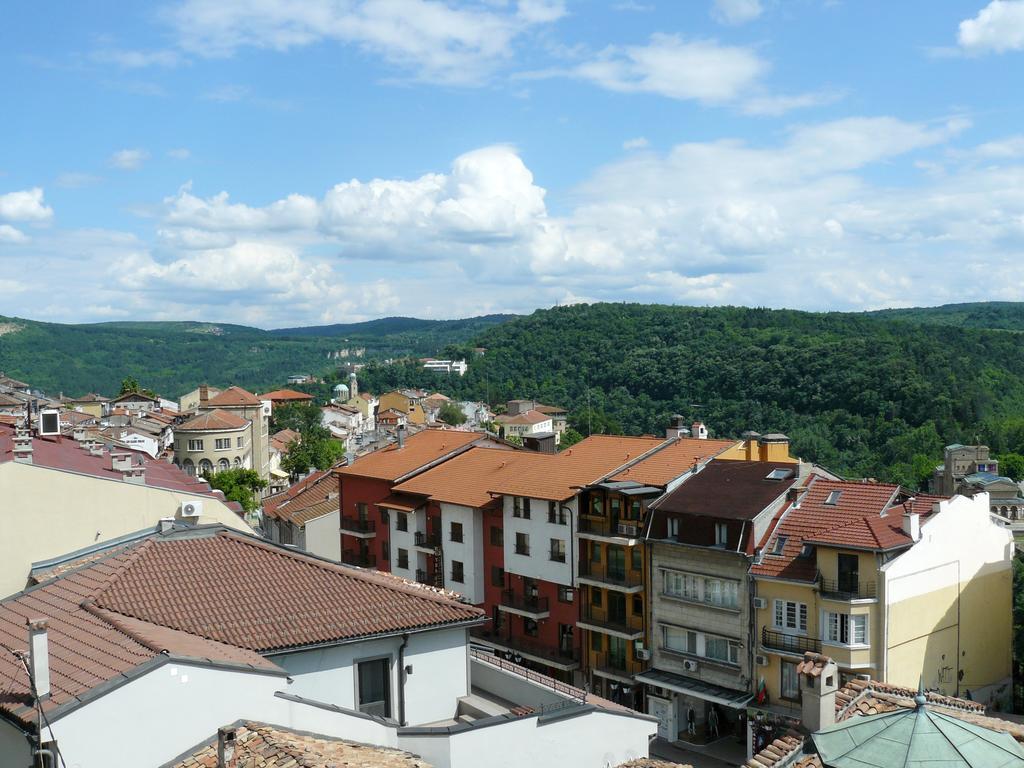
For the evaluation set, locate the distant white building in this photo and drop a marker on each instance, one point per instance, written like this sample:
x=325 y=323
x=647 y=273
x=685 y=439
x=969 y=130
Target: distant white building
x=446 y=366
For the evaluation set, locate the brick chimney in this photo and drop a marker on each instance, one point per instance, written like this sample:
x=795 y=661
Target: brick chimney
x=23 y=446
x=819 y=681
x=226 y=747
x=204 y=393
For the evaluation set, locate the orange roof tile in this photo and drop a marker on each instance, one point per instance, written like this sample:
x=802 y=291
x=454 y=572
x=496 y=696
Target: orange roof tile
x=528 y=417
x=468 y=478
x=312 y=497
x=285 y=395
x=421 y=449
x=215 y=419
x=677 y=457
x=233 y=396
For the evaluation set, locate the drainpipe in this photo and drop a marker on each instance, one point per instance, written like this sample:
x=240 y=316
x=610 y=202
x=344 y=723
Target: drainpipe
x=401 y=680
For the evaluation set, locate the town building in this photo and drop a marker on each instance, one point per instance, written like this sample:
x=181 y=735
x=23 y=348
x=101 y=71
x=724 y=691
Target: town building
x=286 y=397
x=406 y=402
x=244 y=405
x=959 y=461
x=558 y=415
x=306 y=516
x=90 y=403
x=209 y=626
x=888 y=585
x=701 y=539
x=213 y=441
x=61 y=495
x=9 y=384
x=446 y=366
x=524 y=424
x=1005 y=497
x=133 y=402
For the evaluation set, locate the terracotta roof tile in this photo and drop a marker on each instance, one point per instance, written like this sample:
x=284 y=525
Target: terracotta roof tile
x=677 y=457
x=467 y=479
x=271 y=746
x=286 y=396
x=529 y=417
x=215 y=419
x=232 y=396
x=312 y=497
x=421 y=449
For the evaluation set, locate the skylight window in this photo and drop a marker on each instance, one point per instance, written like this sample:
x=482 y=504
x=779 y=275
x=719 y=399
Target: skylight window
x=780 y=544
x=806 y=550
x=833 y=498
x=779 y=474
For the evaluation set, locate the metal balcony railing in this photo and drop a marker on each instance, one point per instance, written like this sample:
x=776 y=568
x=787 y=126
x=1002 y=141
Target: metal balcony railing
x=525 y=603
x=847 y=589
x=358 y=526
x=426 y=539
x=796 y=644
x=362 y=559
x=598 y=572
x=624 y=624
x=558 y=653
x=425 y=576
x=612 y=528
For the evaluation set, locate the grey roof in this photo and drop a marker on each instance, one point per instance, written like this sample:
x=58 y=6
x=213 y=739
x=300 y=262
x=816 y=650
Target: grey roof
x=915 y=738
x=987 y=478
x=707 y=691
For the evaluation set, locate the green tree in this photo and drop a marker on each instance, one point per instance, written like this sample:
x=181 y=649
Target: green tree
x=1011 y=465
x=450 y=413
x=569 y=438
x=130 y=385
x=241 y=485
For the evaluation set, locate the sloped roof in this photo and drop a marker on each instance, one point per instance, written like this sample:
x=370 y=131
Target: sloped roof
x=135 y=396
x=215 y=419
x=281 y=439
x=735 y=490
x=312 y=497
x=668 y=463
x=527 y=417
x=208 y=593
x=467 y=479
x=420 y=449
x=285 y=395
x=232 y=397
x=271 y=746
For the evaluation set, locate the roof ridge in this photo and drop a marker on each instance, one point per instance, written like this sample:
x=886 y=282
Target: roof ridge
x=108 y=616
x=112 y=578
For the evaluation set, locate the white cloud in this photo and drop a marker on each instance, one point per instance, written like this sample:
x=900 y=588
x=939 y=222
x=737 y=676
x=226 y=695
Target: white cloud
x=9 y=234
x=998 y=27
x=779 y=104
x=25 y=205
x=638 y=143
x=179 y=153
x=227 y=93
x=433 y=40
x=137 y=59
x=735 y=11
x=129 y=159
x=76 y=180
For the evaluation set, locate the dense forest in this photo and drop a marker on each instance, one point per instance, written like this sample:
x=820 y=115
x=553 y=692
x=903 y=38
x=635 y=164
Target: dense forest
x=174 y=357
x=868 y=395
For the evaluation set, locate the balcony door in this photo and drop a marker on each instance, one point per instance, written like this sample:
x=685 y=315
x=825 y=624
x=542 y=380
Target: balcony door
x=848 y=573
x=616 y=607
x=616 y=562
x=616 y=652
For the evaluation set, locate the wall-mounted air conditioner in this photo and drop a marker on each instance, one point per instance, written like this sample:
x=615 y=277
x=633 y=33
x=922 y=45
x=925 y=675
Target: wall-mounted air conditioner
x=760 y=660
x=192 y=509
x=642 y=654
x=760 y=603
x=690 y=665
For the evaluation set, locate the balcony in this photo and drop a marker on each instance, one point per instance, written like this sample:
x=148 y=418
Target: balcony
x=597 y=575
x=426 y=540
x=615 y=666
x=427 y=576
x=361 y=529
x=796 y=645
x=362 y=559
x=626 y=532
x=564 y=658
x=598 y=620
x=847 y=589
x=524 y=605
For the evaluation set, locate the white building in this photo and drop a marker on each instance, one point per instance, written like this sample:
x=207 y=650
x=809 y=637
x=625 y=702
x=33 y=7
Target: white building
x=210 y=627
x=447 y=366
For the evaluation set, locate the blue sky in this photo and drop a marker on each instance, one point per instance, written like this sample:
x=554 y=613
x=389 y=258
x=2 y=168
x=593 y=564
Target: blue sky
x=280 y=163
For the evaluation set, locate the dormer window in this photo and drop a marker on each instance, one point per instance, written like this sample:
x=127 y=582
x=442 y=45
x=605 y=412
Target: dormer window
x=779 y=474
x=780 y=544
x=807 y=550
x=833 y=498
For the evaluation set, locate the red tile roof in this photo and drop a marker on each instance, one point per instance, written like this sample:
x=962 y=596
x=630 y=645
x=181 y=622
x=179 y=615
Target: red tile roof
x=285 y=396
x=215 y=419
x=312 y=497
x=421 y=449
x=668 y=463
x=529 y=417
x=205 y=593
x=232 y=397
x=282 y=439
x=468 y=478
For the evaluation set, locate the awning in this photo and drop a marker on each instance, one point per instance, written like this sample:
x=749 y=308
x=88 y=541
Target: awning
x=717 y=694
x=279 y=474
x=401 y=502
x=643 y=490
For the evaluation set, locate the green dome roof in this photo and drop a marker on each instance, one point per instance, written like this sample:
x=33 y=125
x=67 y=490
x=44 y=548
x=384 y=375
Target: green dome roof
x=915 y=738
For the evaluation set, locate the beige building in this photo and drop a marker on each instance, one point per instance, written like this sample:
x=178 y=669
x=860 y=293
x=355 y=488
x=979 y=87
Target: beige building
x=213 y=441
x=61 y=495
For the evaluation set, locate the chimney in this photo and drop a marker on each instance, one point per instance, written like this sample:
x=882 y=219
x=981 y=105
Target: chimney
x=912 y=525
x=95 y=448
x=120 y=462
x=23 y=447
x=226 y=747
x=78 y=433
x=676 y=427
x=39 y=657
x=136 y=475
x=401 y=435
x=699 y=430
x=795 y=496
x=819 y=681
x=204 y=393
x=166 y=524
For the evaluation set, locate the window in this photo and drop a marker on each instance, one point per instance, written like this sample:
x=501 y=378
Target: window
x=457 y=573
x=721 y=593
x=722 y=649
x=780 y=544
x=205 y=467
x=565 y=594
x=638 y=605
x=615 y=506
x=189 y=467
x=684 y=585
x=195 y=445
x=845 y=629
x=526 y=508
x=455 y=534
x=595 y=552
x=362 y=510
x=597 y=505
x=558 y=550
x=402 y=521
x=222 y=443
x=595 y=597
x=529 y=627
x=680 y=640
x=721 y=534
x=523 y=544
x=374 y=687
x=403 y=558
x=595 y=642
x=239 y=442
x=779 y=474
x=636 y=559
x=673 y=527
x=833 y=498
x=521 y=507
x=497 y=536
x=556 y=514
x=385 y=516
x=790 y=615
x=223 y=465
x=790 y=687
x=497 y=576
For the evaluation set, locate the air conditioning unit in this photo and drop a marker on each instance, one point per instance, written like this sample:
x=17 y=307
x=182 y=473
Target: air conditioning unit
x=192 y=509
x=760 y=603
x=49 y=422
x=628 y=529
x=761 y=661
x=642 y=654
x=690 y=665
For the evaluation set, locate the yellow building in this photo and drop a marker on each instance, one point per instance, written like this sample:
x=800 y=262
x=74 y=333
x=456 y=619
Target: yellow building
x=888 y=586
x=91 y=404
x=403 y=404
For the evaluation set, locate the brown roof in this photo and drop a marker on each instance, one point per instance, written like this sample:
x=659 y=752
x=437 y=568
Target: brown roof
x=468 y=478
x=560 y=476
x=215 y=419
x=271 y=746
x=312 y=497
x=233 y=396
x=677 y=457
x=734 y=490
x=421 y=449
x=206 y=593
x=282 y=439
x=285 y=395
x=135 y=396
x=528 y=417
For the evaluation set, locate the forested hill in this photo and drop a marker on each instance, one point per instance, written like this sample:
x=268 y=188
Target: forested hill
x=865 y=394
x=173 y=357
x=1001 y=315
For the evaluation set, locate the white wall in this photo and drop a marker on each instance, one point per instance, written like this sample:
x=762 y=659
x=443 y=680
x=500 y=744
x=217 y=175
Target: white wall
x=404 y=540
x=539 y=564
x=439 y=677
x=470 y=552
x=323 y=536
